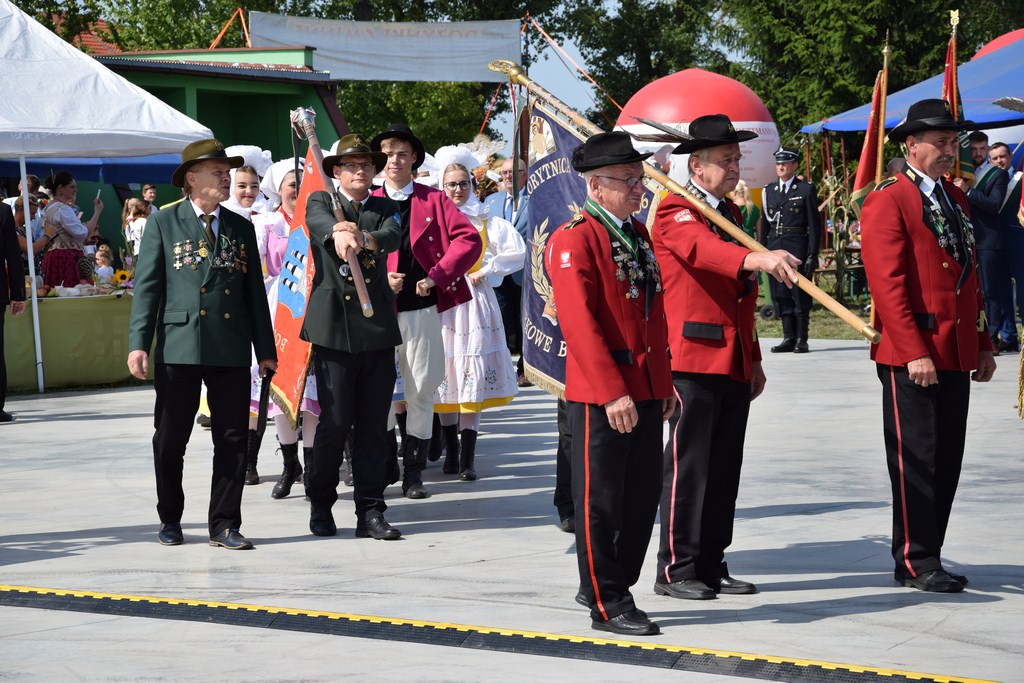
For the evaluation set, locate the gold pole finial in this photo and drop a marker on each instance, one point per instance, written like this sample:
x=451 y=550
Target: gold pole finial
x=954 y=18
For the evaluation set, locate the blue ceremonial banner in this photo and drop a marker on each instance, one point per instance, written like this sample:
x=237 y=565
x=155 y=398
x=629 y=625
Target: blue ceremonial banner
x=557 y=193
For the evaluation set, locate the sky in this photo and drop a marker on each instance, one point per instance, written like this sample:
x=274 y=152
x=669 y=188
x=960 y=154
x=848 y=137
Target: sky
x=552 y=75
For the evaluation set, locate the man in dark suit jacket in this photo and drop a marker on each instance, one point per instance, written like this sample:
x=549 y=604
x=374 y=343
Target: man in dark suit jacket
x=792 y=223
x=353 y=356
x=985 y=199
x=12 y=291
x=199 y=289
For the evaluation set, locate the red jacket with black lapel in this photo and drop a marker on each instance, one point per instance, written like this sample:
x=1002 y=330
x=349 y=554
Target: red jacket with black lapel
x=918 y=308
x=709 y=299
x=612 y=348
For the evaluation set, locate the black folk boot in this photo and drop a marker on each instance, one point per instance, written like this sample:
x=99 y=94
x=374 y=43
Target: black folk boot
x=803 y=322
x=252 y=453
x=434 y=453
x=451 y=457
x=292 y=472
x=467 y=455
x=788 y=335
x=414 y=459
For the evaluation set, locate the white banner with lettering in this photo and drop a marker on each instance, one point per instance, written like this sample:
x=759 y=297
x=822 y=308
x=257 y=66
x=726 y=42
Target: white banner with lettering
x=394 y=51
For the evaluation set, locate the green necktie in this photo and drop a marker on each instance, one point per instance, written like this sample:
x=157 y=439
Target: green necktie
x=208 y=221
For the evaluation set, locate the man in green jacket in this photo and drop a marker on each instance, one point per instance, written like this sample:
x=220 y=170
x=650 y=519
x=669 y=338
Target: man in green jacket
x=199 y=289
x=353 y=356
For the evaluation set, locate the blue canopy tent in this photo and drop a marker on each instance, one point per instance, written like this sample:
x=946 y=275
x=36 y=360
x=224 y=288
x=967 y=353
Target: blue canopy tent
x=997 y=74
x=156 y=168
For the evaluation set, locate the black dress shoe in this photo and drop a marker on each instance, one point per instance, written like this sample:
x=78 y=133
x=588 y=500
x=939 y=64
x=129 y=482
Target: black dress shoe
x=376 y=527
x=321 y=523
x=959 y=578
x=786 y=346
x=170 y=534
x=567 y=524
x=731 y=586
x=581 y=599
x=1009 y=347
x=632 y=623
x=690 y=589
x=231 y=539
x=416 y=491
x=935 y=581
x=5 y=416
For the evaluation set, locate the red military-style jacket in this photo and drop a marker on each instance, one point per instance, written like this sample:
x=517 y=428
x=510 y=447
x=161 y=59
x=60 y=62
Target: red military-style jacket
x=918 y=306
x=709 y=299
x=612 y=348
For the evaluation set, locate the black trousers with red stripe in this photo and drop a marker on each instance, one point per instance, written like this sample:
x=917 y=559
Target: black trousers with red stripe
x=925 y=429
x=702 y=476
x=615 y=483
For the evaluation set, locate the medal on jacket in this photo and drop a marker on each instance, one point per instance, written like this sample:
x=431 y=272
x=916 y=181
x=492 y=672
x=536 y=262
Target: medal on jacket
x=959 y=244
x=632 y=255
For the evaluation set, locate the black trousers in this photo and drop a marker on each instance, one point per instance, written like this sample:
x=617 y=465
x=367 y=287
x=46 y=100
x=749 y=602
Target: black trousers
x=3 y=361
x=615 y=483
x=353 y=389
x=509 y=296
x=925 y=429
x=563 y=465
x=702 y=463
x=177 y=401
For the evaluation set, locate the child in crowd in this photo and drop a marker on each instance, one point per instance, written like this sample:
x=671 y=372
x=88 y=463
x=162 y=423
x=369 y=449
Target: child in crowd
x=104 y=264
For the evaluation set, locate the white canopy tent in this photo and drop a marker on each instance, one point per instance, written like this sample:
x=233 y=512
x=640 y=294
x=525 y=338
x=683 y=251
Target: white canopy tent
x=59 y=102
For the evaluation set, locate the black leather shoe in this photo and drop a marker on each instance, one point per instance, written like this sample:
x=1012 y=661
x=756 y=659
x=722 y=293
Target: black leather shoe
x=959 y=578
x=731 y=586
x=5 y=416
x=801 y=347
x=416 y=491
x=1008 y=347
x=376 y=527
x=581 y=599
x=631 y=623
x=170 y=534
x=231 y=539
x=935 y=581
x=690 y=589
x=567 y=524
x=321 y=523
x=203 y=421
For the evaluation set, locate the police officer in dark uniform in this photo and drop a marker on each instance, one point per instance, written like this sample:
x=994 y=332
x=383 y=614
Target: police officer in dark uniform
x=792 y=223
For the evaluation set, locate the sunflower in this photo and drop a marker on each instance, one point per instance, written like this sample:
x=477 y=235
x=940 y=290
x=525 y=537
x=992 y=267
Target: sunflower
x=121 y=277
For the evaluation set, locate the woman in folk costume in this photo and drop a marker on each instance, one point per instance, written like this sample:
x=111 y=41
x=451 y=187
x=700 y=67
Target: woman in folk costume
x=246 y=198
x=479 y=372
x=272 y=229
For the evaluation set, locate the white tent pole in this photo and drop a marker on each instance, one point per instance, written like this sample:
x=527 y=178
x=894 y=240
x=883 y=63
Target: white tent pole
x=31 y=272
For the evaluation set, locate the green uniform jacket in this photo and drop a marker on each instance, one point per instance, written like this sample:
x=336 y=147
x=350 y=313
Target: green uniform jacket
x=207 y=307
x=334 y=318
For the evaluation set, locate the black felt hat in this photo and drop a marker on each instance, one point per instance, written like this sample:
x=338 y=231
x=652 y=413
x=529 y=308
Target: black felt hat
x=402 y=132
x=712 y=130
x=933 y=114
x=606 y=149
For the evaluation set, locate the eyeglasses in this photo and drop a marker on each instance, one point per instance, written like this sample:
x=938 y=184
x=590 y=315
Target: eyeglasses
x=631 y=181
x=355 y=168
x=461 y=185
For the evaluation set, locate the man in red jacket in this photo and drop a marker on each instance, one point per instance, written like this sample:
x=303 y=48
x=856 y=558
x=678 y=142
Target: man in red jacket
x=618 y=390
x=427 y=273
x=919 y=258
x=710 y=297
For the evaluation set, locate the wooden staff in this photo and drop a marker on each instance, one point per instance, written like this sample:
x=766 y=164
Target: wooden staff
x=516 y=74
x=303 y=120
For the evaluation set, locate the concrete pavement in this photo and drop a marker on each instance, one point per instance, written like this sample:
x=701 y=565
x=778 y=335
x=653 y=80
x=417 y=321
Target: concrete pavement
x=482 y=561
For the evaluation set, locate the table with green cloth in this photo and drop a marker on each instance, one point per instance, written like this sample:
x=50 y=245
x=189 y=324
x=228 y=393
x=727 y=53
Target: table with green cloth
x=84 y=342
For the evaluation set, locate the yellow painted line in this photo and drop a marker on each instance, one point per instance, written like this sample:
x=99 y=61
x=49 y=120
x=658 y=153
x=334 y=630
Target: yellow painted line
x=486 y=630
